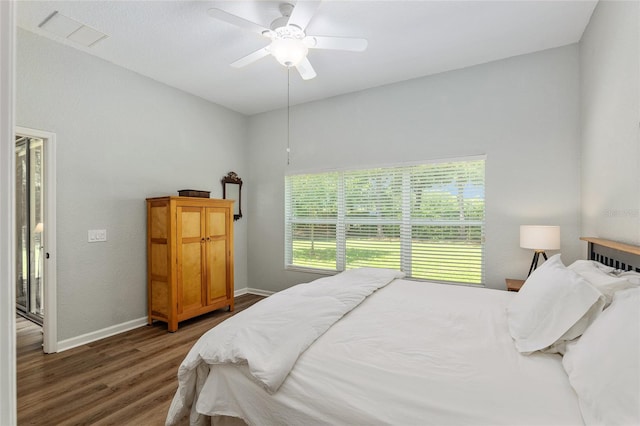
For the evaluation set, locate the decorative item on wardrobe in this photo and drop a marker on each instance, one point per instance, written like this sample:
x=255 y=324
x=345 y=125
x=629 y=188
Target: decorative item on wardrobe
x=232 y=190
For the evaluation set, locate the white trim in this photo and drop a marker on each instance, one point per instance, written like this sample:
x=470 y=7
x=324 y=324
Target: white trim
x=93 y=336
x=8 y=403
x=50 y=328
x=84 y=339
x=256 y=291
x=310 y=270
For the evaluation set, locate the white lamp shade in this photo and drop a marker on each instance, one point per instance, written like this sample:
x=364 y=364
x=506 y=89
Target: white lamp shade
x=288 y=51
x=540 y=237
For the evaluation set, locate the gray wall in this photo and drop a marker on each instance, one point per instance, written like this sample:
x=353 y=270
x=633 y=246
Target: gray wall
x=522 y=112
x=121 y=138
x=610 y=110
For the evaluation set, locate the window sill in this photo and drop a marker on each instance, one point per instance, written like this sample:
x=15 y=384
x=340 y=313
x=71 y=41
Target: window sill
x=294 y=268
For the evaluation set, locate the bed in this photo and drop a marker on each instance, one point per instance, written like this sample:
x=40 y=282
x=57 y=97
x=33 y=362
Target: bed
x=369 y=347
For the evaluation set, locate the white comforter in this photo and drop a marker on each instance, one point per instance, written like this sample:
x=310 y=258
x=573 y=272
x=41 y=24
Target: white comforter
x=271 y=335
x=413 y=353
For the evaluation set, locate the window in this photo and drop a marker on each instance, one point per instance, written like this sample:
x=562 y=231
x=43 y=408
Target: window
x=426 y=219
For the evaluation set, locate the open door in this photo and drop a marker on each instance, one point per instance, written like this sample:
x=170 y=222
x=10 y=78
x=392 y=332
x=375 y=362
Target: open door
x=35 y=271
x=30 y=279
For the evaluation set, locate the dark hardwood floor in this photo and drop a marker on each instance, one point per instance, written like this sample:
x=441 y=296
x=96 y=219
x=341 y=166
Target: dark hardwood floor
x=127 y=379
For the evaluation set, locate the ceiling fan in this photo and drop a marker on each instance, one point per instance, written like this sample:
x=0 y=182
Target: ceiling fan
x=289 y=42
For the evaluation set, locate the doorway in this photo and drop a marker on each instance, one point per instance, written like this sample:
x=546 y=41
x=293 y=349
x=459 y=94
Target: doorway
x=35 y=270
x=30 y=254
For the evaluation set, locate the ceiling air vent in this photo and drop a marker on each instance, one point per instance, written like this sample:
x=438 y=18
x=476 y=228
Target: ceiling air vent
x=72 y=30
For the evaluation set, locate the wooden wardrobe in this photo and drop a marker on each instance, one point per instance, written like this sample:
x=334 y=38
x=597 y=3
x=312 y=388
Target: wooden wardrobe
x=189 y=257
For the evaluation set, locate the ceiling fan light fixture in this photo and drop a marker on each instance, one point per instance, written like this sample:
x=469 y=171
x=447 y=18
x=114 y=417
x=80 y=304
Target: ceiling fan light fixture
x=289 y=41
x=288 y=51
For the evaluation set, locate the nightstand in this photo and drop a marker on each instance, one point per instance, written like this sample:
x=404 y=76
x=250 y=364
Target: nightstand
x=513 y=284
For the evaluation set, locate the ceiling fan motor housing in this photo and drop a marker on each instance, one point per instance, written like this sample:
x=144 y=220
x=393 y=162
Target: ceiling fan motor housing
x=279 y=22
x=283 y=21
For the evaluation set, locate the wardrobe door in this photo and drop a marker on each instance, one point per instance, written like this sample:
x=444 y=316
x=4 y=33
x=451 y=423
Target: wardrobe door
x=217 y=263
x=191 y=246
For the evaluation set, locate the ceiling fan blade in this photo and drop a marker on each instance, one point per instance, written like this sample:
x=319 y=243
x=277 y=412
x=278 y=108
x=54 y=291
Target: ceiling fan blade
x=251 y=57
x=336 y=43
x=237 y=21
x=306 y=70
x=303 y=12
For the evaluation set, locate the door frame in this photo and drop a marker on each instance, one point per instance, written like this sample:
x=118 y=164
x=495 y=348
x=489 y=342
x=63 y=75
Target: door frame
x=8 y=413
x=49 y=325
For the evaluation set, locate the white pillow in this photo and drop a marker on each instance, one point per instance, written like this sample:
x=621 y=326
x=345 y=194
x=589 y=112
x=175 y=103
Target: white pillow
x=632 y=276
x=604 y=364
x=579 y=264
x=601 y=277
x=555 y=304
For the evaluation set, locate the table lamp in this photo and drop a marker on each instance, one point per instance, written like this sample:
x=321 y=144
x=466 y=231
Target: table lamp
x=539 y=238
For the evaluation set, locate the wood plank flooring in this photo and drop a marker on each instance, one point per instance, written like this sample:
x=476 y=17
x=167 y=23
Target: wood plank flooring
x=127 y=379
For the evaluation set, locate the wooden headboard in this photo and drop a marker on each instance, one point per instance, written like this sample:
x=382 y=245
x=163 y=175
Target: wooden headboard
x=614 y=254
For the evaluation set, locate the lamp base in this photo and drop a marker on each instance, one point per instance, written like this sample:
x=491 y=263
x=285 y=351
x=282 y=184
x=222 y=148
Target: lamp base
x=534 y=262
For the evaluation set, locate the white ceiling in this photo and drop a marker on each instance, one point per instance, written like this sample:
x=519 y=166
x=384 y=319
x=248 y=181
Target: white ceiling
x=179 y=44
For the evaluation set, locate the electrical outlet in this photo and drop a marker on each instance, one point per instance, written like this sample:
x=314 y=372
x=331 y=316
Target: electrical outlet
x=101 y=235
x=97 y=235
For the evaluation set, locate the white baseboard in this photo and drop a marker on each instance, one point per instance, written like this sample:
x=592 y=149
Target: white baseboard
x=240 y=292
x=100 y=334
x=74 y=342
x=255 y=291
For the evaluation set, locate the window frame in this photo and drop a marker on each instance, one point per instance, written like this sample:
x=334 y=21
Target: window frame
x=406 y=222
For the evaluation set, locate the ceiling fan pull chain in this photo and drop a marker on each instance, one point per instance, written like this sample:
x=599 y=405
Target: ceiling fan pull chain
x=288 y=117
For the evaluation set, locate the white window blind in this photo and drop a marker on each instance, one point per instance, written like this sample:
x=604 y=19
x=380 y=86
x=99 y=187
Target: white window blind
x=427 y=220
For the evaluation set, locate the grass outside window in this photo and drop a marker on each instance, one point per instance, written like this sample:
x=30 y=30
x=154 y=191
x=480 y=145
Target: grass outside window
x=384 y=254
